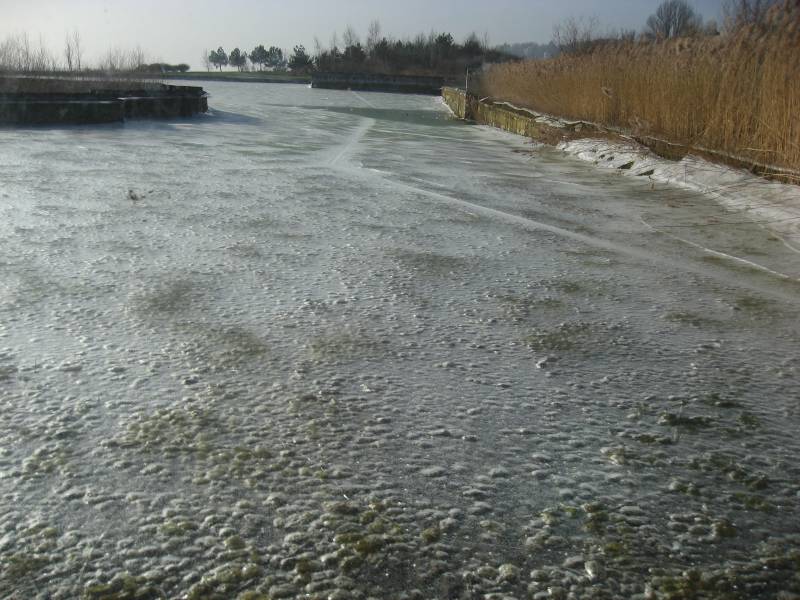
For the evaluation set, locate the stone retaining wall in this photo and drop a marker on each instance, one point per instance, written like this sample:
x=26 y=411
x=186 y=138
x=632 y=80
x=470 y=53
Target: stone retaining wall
x=457 y=101
x=488 y=112
x=99 y=105
x=378 y=82
x=505 y=117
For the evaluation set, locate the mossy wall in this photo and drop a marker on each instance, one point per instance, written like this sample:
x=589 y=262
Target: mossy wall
x=504 y=118
x=457 y=101
x=486 y=112
x=378 y=82
x=65 y=102
x=25 y=112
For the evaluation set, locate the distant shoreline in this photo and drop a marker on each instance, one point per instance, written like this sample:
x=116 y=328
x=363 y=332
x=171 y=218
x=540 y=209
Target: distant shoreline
x=238 y=77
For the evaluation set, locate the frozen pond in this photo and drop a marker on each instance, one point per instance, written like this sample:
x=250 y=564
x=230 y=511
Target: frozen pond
x=321 y=344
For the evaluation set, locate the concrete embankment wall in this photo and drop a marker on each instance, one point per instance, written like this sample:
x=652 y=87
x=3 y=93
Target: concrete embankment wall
x=457 y=101
x=77 y=107
x=246 y=78
x=168 y=106
x=378 y=82
x=505 y=117
x=497 y=115
x=47 y=112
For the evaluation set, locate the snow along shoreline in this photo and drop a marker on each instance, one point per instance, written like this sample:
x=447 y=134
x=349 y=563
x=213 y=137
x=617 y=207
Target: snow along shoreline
x=773 y=205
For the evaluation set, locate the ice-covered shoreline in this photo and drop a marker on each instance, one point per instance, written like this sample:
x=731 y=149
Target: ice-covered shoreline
x=325 y=344
x=747 y=197
x=773 y=205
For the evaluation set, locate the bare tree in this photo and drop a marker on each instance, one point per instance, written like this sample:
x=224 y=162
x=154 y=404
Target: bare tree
x=69 y=54
x=77 y=48
x=73 y=51
x=350 y=37
x=711 y=28
x=137 y=58
x=575 y=36
x=25 y=58
x=113 y=60
x=42 y=59
x=739 y=13
x=472 y=45
x=12 y=53
x=373 y=35
x=18 y=54
x=334 y=50
x=673 y=18
x=207 y=59
x=622 y=35
x=24 y=61
x=121 y=60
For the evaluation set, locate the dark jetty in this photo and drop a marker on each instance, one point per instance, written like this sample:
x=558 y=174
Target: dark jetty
x=377 y=82
x=48 y=101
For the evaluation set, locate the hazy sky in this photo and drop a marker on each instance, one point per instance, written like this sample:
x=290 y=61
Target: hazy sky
x=179 y=31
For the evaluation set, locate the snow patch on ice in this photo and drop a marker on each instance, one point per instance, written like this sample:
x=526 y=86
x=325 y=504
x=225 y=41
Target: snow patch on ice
x=542 y=118
x=773 y=205
x=440 y=101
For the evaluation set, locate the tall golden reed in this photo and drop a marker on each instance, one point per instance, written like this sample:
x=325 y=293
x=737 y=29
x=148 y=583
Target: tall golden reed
x=738 y=93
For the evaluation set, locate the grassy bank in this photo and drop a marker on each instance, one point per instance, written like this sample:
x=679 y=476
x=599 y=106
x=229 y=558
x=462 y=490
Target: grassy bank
x=737 y=94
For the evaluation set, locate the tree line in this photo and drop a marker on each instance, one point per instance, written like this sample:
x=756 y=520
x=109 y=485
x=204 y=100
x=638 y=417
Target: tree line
x=438 y=53
x=20 y=54
x=671 y=19
x=260 y=57
x=434 y=53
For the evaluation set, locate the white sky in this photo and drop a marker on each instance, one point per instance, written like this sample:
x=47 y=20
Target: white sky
x=179 y=31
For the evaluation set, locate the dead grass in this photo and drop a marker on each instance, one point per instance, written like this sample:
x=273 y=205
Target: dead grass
x=66 y=84
x=736 y=94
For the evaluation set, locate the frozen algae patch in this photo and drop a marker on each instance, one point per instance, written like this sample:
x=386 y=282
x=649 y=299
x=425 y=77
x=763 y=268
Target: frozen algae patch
x=23 y=565
x=566 y=286
x=7 y=372
x=687 y=422
x=772 y=569
x=754 y=304
x=172 y=430
x=691 y=318
x=170 y=297
x=122 y=587
x=564 y=337
x=270 y=418
x=342 y=346
x=228 y=345
x=432 y=263
x=46 y=460
x=522 y=307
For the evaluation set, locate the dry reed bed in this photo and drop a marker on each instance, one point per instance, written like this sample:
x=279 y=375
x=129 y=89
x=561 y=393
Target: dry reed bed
x=738 y=94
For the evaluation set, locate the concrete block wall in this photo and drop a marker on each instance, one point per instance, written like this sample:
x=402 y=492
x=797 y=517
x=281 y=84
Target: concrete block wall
x=486 y=112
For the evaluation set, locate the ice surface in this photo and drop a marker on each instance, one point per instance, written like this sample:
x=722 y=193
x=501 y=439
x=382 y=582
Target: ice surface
x=773 y=205
x=322 y=344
